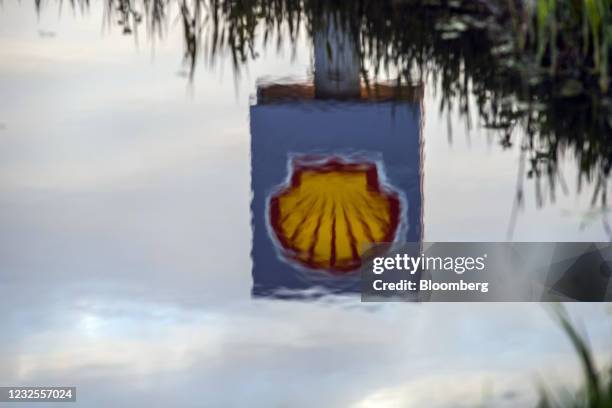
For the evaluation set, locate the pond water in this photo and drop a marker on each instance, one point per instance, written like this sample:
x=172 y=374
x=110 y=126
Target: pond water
x=133 y=200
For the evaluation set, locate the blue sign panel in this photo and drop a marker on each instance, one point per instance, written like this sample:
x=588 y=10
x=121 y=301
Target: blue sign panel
x=329 y=178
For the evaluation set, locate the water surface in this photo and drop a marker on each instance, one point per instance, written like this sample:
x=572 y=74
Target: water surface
x=126 y=237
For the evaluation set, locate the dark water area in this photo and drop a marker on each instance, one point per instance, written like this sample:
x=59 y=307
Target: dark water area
x=172 y=173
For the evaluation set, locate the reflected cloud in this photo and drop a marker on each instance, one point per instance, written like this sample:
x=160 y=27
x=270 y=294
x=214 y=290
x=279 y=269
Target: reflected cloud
x=125 y=230
x=216 y=349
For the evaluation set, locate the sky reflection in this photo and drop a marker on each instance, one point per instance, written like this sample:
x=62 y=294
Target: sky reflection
x=144 y=351
x=125 y=239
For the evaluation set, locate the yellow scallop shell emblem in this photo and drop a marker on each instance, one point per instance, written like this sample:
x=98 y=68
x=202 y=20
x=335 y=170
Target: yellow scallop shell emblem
x=331 y=211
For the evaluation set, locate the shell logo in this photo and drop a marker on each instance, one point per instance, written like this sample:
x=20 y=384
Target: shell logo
x=330 y=211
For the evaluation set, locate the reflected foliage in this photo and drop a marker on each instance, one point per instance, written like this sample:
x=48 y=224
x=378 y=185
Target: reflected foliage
x=540 y=67
x=596 y=390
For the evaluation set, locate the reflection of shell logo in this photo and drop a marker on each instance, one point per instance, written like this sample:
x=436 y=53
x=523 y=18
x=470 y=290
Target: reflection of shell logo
x=331 y=211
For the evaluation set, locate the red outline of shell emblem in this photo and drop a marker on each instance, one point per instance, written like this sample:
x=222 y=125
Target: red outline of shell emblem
x=330 y=212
